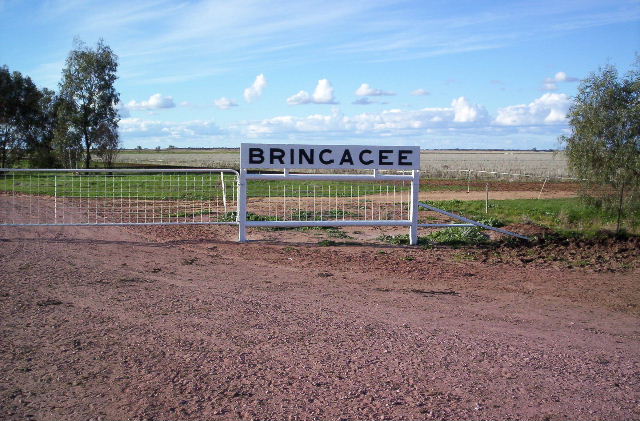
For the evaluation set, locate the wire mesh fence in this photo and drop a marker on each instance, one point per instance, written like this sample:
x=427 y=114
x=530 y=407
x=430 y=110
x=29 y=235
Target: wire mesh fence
x=211 y=196
x=328 y=201
x=123 y=197
x=99 y=197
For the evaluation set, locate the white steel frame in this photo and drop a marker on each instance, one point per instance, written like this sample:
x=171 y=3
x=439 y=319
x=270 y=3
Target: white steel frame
x=411 y=222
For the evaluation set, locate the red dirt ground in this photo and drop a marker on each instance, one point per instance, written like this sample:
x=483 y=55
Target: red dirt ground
x=184 y=323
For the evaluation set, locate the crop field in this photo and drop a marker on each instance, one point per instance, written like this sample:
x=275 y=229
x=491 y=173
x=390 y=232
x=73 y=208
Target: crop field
x=440 y=163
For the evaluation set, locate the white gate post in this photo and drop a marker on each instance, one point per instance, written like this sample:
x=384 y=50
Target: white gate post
x=415 y=190
x=242 y=206
x=224 y=192
x=55 y=198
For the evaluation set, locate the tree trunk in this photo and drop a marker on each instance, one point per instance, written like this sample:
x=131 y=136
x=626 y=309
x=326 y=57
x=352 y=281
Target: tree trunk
x=3 y=157
x=620 y=208
x=87 y=155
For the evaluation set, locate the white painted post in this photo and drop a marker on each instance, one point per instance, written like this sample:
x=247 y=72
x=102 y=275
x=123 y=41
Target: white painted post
x=415 y=190
x=242 y=206
x=55 y=198
x=486 y=201
x=224 y=192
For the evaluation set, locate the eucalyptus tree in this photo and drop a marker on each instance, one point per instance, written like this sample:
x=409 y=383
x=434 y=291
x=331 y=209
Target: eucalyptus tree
x=603 y=148
x=87 y=115
x=20 y=115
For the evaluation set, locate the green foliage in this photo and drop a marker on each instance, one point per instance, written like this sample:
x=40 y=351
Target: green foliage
x=558 y=214
x=26 y=121
x=604 y=145
x=87 y=117
x=455 y=236
x=402 y=240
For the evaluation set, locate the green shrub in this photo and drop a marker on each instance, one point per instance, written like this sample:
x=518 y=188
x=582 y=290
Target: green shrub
x=455 y=236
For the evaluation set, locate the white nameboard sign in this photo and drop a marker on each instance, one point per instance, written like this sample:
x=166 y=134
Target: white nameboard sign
x=256 y=155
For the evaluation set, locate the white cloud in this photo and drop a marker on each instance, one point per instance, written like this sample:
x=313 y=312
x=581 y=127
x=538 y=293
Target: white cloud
x=551 y=83
x=323 y=94
x=462 y=123
x=301 y=97
x=255 y=91
x=549 y=109
x=137 y=128
x=225 y=103
x=465 y=112
x=420 y=92
x=461 y=115
x=366 y=90
x=155 y=101
x=563 y=77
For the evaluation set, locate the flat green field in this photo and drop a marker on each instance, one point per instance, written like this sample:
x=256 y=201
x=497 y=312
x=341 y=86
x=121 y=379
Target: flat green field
x=172 y=186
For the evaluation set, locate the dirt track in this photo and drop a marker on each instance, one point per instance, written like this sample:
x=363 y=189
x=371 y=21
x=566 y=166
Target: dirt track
x=183 y=323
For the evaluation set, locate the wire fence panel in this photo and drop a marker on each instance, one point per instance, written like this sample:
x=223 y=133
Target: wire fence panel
x=328 y=201
x=117 y=197
x=303 y=199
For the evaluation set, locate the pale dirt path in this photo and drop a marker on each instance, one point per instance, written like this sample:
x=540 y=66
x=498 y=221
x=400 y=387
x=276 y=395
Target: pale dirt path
x=183 y=323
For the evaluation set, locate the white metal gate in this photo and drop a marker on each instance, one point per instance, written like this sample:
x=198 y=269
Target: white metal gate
x=409 y=218
x=117 y=197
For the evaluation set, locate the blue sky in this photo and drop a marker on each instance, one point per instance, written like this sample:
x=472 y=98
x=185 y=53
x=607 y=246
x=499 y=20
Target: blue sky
x=438 y=74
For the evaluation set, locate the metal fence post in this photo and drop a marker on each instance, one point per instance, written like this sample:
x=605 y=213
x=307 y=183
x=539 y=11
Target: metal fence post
x=242 y=206
x=415 y=190
x=55 y=198
x=224 y=192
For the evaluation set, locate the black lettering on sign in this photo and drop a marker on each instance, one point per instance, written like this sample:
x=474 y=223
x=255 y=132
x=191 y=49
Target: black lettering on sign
x=325 y=161
x=292 y=156
x=256 y=156
x=303 y=156
x=346 y=157
x=361 y=157
x=276 y=154
x=403 y=156
x=383 y=157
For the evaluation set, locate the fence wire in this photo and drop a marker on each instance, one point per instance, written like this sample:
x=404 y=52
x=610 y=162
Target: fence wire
x=281 y=201
x=122 y=197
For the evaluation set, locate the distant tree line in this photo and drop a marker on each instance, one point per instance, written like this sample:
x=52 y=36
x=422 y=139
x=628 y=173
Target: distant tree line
x=44 y=129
